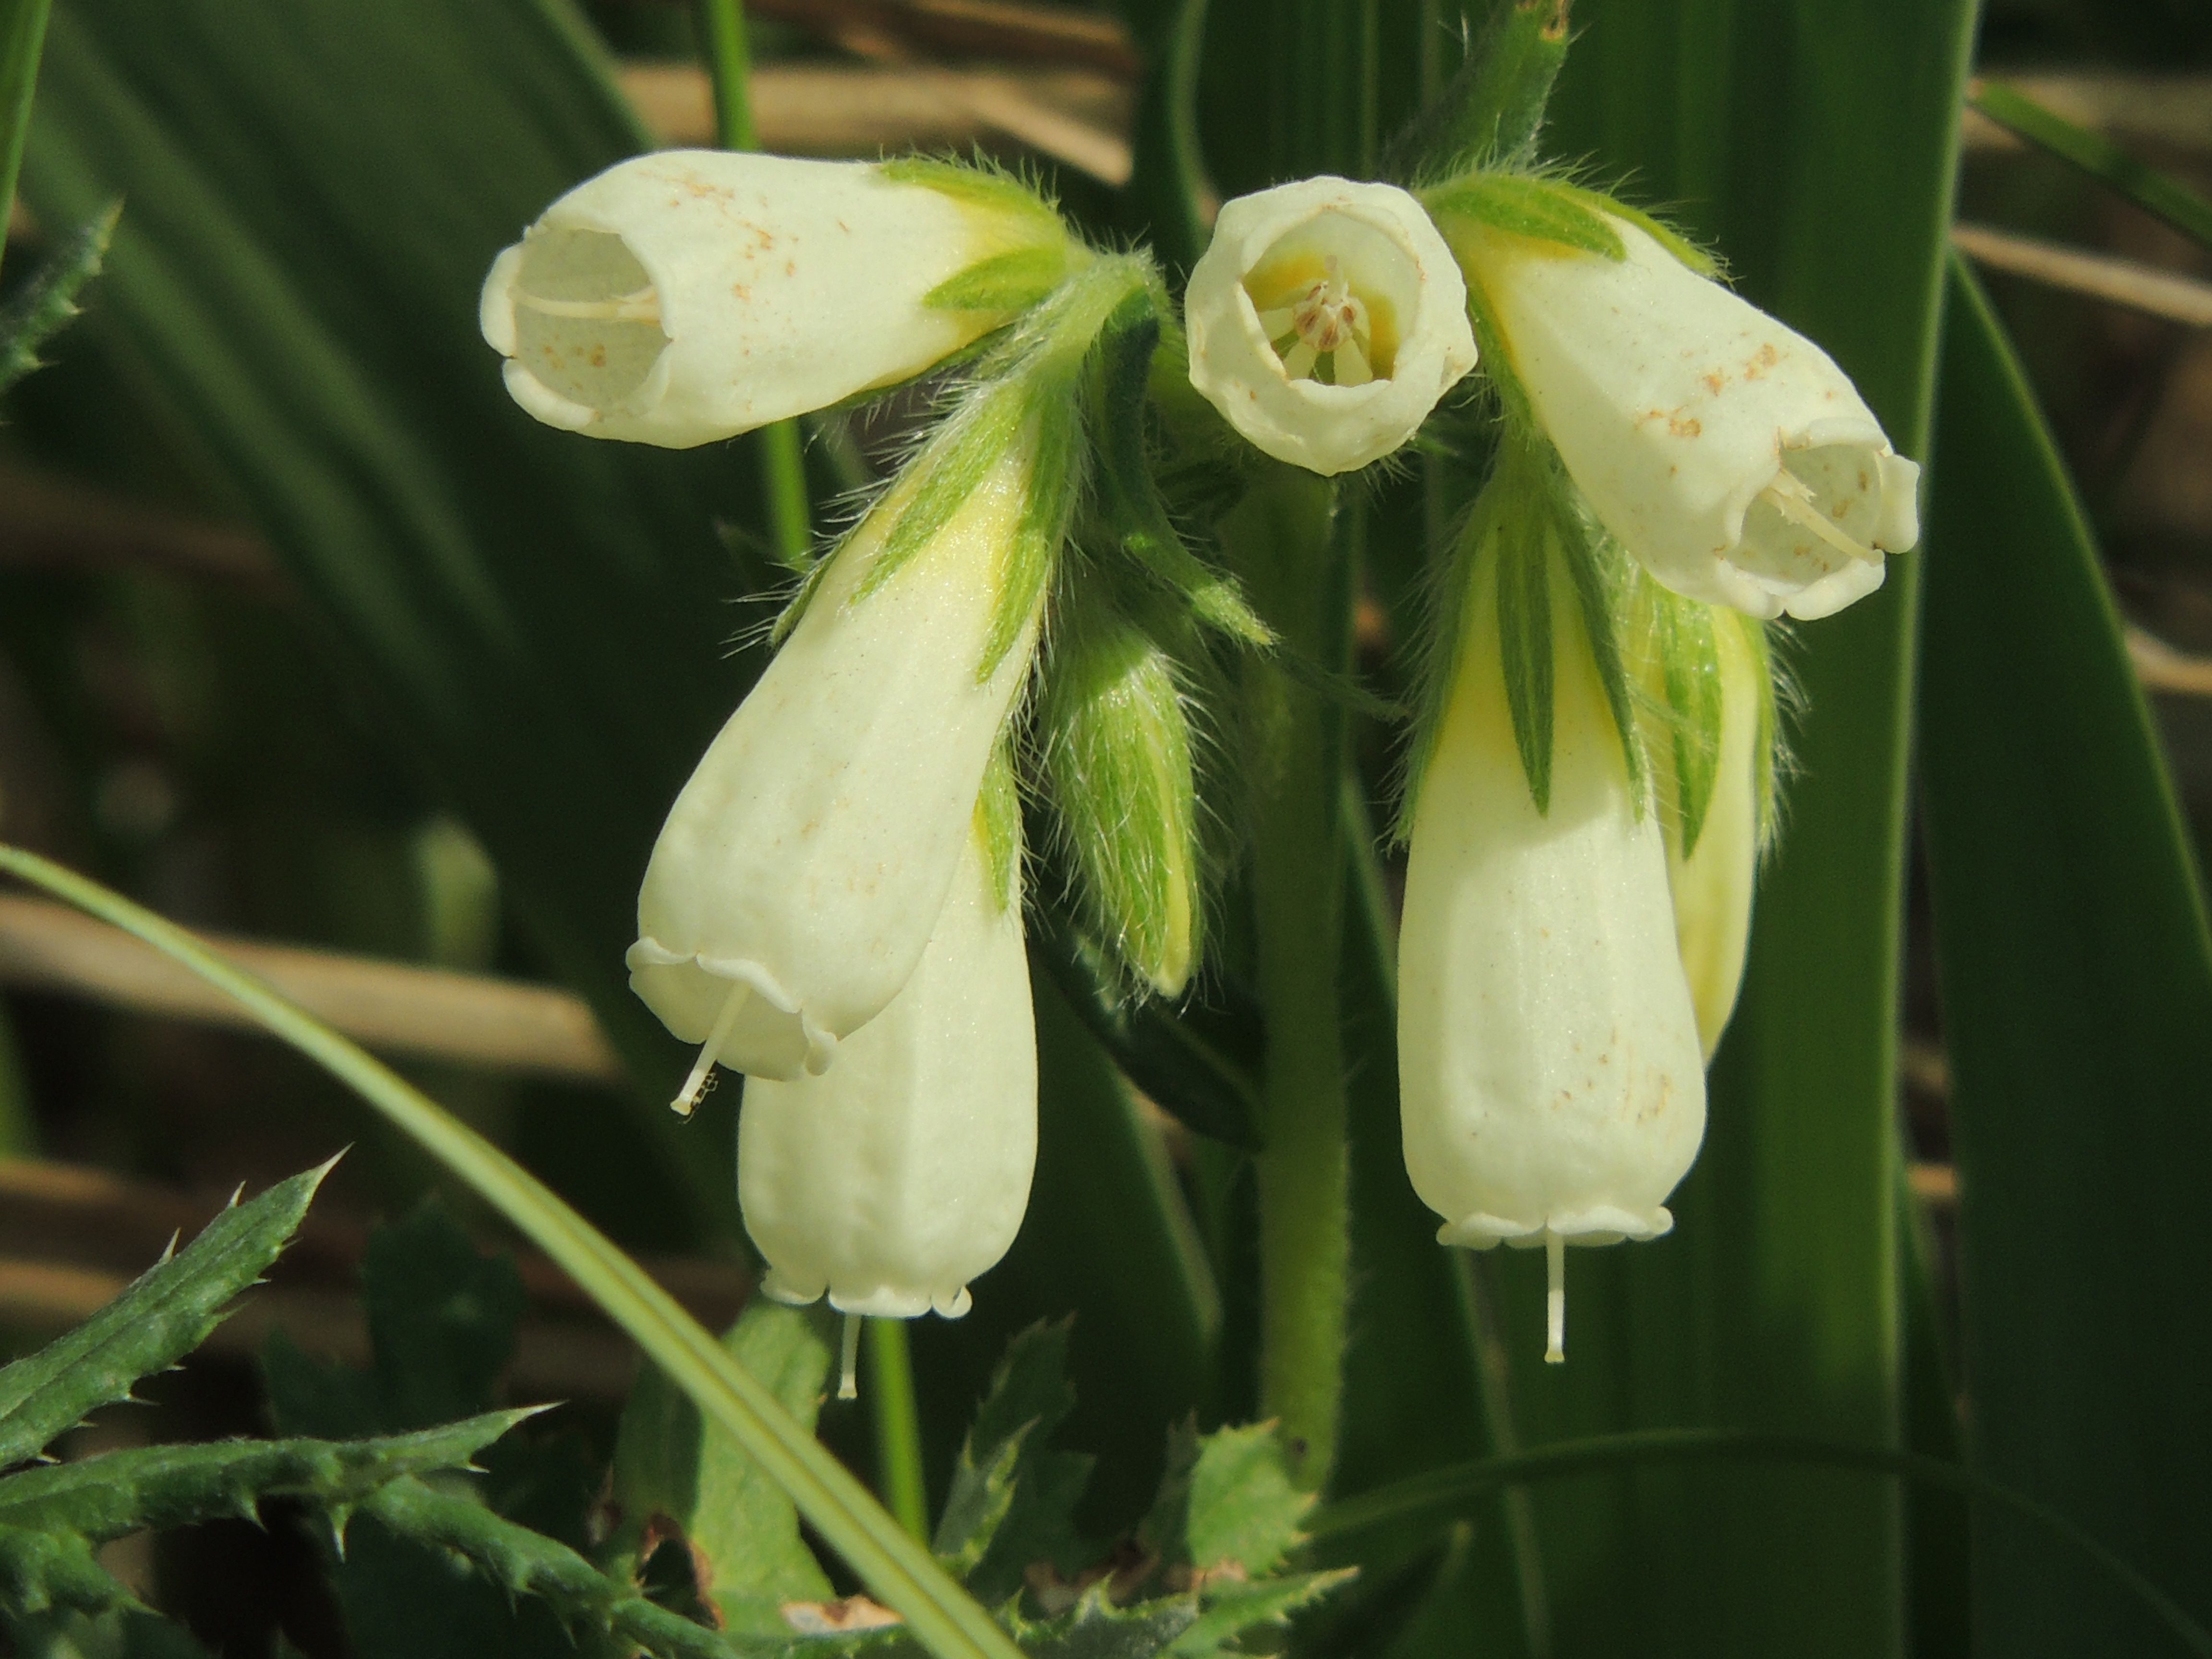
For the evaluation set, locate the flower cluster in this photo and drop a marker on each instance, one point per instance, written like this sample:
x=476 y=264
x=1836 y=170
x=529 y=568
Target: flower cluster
x=833 y=907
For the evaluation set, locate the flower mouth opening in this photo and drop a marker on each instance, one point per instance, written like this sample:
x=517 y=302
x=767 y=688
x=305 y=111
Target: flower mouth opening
x=588 y=323
x=1820 y=512
x=1329 y=296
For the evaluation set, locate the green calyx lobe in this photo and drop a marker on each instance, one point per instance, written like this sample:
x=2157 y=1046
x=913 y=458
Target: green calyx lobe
x=1492 y=108
x=1550 y=569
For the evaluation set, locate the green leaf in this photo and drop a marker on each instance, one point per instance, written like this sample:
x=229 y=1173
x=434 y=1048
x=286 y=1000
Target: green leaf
x=897 y=1569
x=526 y=1563
x=42 y=1570
x=167 y=1312
x=1094 y=1628
x=676 y=1474
x=49 y=299
x=442 y=1317
x=2154 y=191
x=115 y=1493
x=1541 y=209
x=2077 y=981
x=1243 y=1511
x=1231 y=1606
x=1012 y=1499
x=1521 y=549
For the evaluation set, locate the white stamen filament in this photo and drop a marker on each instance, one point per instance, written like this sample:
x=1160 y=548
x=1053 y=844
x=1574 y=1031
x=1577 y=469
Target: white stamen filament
x=1793 y=498
x=848 y=1360
x=1555 y=1299
x=1328 y=320
x=641 y=307
x=695 y=1084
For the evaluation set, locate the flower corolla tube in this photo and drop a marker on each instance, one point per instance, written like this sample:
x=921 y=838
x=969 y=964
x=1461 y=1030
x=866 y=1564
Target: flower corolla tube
x=893 y=1179
x=688 y=295
x=1551 y=1088
x=801 y=871
x=1726 y=451
x=1325 y=320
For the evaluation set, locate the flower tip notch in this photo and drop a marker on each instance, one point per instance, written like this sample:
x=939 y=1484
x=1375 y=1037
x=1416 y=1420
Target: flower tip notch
x=1326 y=320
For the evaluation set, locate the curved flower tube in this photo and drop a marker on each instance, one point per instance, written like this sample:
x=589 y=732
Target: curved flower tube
x=688 y=295
x=1551 y=1083
x=893 y=1180
x=1326 y=319
x=802 y=869
x=1726 y=451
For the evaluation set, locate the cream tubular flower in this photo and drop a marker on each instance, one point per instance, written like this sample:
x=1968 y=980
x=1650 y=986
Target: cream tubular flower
x=1551 y=1086
x=1326 y=319
x=892 y=1181
x=689 y=295
x=1727 y=452
x=802 y=869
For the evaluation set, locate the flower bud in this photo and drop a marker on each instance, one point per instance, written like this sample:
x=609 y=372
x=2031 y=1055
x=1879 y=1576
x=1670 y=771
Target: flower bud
x=1727 y=452
x=1551 y=1085
x=894 y=1179
x=1115 y=755
x=1325 y=320
x=688 y=295
x=802 y=869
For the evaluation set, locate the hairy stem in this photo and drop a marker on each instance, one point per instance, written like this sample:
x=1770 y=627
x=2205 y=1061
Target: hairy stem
x=1295 y=549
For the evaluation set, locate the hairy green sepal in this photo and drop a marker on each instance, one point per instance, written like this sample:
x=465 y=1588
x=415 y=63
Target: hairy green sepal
x=1522 y=204
x=1013 y=281
x=1493 y=108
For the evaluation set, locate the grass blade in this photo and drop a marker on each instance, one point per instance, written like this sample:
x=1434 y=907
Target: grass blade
x=2154 y=191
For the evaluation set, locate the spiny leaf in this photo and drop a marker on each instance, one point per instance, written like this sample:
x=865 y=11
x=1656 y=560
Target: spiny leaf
x=1243 y=1510
x=41 y=1570
x=49 y=299
x=1013 y=1501
x=526 y=1563
x=1094 y=1628
x=1229 y=1607
x=121 y=1492
x=163 y=1315
x=674 y=1472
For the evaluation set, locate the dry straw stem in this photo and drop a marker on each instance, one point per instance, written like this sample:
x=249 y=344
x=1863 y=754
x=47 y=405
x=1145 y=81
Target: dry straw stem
x=2164 y=293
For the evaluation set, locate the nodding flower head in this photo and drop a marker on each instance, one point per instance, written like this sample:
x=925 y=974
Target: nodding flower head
x=1326 y=320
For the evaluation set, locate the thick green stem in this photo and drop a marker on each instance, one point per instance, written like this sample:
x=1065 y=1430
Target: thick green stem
x=898 y=1426
x=1294 y=552
x=782 y=463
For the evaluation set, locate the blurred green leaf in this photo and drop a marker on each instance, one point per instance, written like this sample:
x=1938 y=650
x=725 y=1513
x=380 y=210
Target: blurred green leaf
x=317 y=189
x=1012 y=1500
x=22 y=34
x=167 y=1312
x=2076 y=979
x=2154 y=191
x=676 y=1475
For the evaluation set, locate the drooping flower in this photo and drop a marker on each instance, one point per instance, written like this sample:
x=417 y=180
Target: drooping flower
x=1726 y=451
x=688 y=295
x=1551 y=1085
x=892 y=1180
x=801 y=871
x=1325 y=320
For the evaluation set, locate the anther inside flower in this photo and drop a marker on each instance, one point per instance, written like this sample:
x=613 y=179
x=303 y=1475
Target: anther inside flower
x=1326 y=331
x=1326 y=320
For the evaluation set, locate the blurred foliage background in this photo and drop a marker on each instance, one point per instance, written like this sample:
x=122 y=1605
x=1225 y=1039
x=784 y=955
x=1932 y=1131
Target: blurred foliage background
x=307 y=635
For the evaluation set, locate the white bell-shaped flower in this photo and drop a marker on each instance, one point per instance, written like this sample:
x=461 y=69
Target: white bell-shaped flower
x=802 y=869
x=1552 y=1091
x=688 y=295
x=1728 y=452
x=893 y=1179
x=1325 y=320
